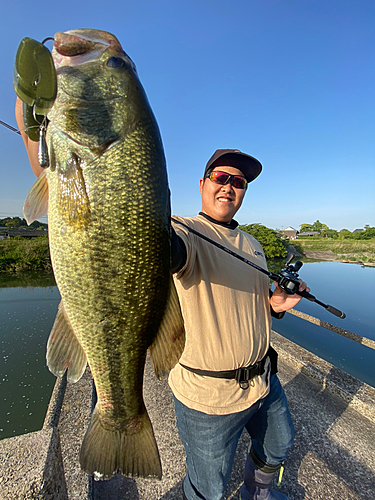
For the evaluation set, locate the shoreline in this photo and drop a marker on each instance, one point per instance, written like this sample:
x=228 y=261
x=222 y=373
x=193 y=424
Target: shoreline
x=329 y=256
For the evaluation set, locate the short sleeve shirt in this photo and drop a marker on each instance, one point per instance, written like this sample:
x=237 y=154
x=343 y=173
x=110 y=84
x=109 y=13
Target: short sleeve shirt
x=226 y=311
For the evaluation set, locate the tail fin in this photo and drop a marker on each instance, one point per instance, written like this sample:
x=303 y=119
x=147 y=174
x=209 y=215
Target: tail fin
x=132 y=451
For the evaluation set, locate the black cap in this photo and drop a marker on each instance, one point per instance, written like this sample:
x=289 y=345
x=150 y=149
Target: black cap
x=249 y=166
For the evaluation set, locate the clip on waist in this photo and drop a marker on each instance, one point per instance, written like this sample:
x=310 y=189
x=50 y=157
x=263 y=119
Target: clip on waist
x=242 y=375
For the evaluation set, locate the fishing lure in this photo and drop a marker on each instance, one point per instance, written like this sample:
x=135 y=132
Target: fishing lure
x=35 y=83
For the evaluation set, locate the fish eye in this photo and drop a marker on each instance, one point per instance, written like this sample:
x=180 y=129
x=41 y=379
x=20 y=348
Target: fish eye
x=115 y=62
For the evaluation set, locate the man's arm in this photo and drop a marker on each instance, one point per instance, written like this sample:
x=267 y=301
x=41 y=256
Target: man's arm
x=274 y=314
x=179 y=254
x=31 y=146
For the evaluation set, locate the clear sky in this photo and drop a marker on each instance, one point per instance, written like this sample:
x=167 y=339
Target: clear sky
x=290 y=82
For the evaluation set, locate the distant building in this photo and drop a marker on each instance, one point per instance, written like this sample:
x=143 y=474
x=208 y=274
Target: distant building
x=358 y=230
x=25 y=233
x=3 y=232
x=309 y=233
x=289 y=232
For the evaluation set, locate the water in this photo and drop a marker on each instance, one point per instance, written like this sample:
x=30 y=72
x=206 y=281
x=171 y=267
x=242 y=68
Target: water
x=349 y=288
x=28 y=306
x=27 y=312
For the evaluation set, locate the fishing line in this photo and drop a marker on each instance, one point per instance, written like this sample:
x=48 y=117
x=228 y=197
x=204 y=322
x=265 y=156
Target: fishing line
x=286 y=279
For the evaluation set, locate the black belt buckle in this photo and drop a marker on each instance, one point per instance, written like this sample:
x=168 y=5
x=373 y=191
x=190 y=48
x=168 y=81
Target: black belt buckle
x=244 y=375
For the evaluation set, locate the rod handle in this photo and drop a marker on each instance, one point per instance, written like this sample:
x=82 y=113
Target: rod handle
x=329 y=308
x=306 y=295
x=335 y=311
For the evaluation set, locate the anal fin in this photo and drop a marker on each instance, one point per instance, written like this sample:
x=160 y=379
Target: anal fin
x=167 y=348
x=64 y=350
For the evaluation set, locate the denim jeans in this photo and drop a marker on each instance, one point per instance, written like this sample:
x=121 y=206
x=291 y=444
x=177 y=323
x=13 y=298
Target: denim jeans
x=210 y=441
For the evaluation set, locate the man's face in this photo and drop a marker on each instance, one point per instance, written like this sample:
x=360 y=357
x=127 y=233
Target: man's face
x=218 y=201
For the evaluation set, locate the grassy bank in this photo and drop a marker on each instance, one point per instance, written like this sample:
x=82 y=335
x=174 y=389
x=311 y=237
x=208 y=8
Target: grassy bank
x=21 y=255
x=345 y=250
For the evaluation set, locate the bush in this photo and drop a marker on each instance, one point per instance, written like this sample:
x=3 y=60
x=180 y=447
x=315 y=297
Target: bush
x=19 y=255
x=273 y=246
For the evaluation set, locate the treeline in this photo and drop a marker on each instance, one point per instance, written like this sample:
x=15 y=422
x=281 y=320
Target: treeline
x=273 y=246
x=324 y=231
x=18 y=223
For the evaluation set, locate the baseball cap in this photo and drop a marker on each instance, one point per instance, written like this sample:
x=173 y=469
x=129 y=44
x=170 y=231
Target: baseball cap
x=249 y=166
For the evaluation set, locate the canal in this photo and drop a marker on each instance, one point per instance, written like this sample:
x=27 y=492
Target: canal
x=28 y=306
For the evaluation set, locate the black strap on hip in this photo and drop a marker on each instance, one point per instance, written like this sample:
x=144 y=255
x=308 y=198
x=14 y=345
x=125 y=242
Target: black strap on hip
x=243 y=374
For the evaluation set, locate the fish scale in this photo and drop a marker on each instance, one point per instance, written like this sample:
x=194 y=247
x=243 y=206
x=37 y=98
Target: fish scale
x=109 y=232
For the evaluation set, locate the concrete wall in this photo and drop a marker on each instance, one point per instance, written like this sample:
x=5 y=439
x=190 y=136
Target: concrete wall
x=44 y=464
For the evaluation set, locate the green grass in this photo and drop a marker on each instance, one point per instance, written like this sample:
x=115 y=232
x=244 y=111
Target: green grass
x=21 y=254
x=353 y=250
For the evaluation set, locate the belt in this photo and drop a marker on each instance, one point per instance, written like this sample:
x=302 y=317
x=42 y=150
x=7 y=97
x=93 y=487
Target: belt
x=243 y=374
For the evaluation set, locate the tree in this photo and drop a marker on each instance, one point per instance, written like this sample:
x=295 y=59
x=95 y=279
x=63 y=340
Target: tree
x=329 y=233
x=306 y=228
x=17 y=222
x=367 y=234
x=345 y=234
x=272 y=245
x=318 y=226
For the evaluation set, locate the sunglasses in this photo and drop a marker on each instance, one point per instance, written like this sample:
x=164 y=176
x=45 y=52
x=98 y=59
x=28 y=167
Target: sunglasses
x=223 y=178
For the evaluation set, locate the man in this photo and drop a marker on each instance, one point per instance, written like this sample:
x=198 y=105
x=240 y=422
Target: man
x=227 y=314
x=226 y=309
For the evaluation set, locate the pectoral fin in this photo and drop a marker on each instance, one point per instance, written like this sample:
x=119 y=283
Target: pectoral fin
x=73 y=200
x=167 y=348
x=63 y=349
x=36 y=203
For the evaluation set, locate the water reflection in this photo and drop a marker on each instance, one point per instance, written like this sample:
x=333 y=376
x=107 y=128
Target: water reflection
x=28 y=306
x=349 y=287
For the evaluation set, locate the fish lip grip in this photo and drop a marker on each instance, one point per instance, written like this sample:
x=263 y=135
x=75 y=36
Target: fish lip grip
x=34 y=76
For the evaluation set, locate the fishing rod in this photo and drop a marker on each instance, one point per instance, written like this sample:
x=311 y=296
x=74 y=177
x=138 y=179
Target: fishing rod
x=10 y=127
x=287 y=279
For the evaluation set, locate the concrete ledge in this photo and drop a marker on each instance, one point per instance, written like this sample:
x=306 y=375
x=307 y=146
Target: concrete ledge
x=327 y=406
x=55 y=403
x=31 y=467
x=355 y=393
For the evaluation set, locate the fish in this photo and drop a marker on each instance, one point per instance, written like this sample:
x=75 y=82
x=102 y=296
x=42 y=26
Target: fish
x=108 y=203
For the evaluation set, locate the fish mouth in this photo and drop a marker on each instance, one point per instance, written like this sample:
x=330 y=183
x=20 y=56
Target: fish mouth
x=80 y=46
x=81 y=41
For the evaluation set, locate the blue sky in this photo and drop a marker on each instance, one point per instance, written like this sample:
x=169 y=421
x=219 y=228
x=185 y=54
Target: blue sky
x=290 y=82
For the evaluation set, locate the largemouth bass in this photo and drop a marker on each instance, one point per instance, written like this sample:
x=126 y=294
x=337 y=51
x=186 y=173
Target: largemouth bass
x=109 y=232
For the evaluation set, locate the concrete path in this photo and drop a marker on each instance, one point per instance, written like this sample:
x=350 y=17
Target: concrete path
x=332 y=459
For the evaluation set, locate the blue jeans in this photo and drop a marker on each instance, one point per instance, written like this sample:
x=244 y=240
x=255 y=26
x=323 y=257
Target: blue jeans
x=210 y=441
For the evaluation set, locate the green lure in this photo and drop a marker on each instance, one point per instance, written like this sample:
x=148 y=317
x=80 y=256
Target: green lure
x=34 y=77
x=35 y=83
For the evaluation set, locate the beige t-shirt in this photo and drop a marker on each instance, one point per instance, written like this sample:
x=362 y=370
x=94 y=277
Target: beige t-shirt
x=226 y=311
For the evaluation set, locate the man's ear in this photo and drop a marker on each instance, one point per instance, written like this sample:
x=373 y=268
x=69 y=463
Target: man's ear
x=201 y=182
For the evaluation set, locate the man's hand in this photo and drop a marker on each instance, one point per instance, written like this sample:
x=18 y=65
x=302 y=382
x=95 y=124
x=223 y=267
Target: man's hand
x=282 y=301
x=31 y=146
